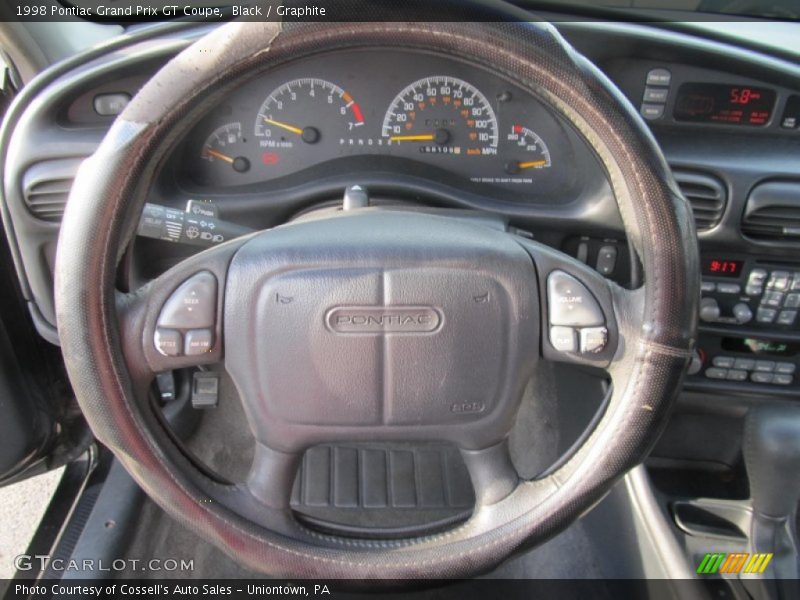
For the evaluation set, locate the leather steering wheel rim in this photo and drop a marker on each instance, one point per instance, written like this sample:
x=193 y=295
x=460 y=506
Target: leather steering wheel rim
x=101 y=330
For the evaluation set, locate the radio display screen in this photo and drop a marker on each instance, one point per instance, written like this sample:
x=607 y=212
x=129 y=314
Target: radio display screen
x=757 y=346
x=721 y=267
x=724 y=104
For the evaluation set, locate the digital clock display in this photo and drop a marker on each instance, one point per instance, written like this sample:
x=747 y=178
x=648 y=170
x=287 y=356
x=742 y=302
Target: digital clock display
x=721 y=267
x=724 y=104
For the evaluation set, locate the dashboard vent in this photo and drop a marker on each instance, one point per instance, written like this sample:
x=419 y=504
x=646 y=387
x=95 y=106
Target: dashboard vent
x=772 y=212
x=707 y=196
x=46 y=187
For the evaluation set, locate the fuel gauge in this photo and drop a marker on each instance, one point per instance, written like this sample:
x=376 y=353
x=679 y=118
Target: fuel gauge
x=226 y=146
x=531 y=149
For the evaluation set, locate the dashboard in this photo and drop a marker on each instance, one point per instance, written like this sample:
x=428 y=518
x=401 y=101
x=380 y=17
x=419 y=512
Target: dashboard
x=427 y=130
x=427 y=117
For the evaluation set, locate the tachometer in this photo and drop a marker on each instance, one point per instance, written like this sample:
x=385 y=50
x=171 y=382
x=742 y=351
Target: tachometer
x=442 y=115
x=305 y=111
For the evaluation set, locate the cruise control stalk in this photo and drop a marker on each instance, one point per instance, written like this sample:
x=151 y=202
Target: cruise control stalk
x=187 y=227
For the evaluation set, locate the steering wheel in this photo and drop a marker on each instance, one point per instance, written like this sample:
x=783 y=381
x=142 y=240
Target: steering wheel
x=375 y=324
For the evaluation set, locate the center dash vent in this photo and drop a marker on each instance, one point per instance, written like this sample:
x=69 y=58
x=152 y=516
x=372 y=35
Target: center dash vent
x=772 y=212
x=707 y=196
x=46 y=187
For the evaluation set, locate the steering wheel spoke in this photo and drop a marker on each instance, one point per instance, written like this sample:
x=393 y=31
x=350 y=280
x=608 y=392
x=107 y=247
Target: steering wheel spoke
x=272 y=476
x=492 y=473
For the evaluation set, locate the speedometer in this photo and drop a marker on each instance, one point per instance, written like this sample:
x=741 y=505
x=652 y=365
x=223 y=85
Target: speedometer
x=442 y=115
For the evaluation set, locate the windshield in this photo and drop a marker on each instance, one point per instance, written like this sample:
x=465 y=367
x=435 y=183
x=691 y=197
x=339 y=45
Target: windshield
x=766 y=9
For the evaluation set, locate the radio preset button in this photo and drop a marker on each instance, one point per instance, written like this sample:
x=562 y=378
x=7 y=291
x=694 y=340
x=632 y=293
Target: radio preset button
x=725 y=362
x=792 y=301
x=707 y=286
x=729 y=288
x=772 y=299
x=787 y=317
x=785 y=368
x=781 y=379
x=737 y=375
x=762 y=377
x=765 y=366
x=779 y=280
x=748 y=364
x=716 y=373
x=766 y=315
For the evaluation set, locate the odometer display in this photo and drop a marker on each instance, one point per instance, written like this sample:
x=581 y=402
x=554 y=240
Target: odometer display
x=724 y=104
x=442 y=115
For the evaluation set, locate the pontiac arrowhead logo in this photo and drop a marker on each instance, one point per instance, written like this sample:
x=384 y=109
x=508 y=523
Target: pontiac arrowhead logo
x=383 y=319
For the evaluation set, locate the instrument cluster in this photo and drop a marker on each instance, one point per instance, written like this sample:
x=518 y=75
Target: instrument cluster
x=386 y=112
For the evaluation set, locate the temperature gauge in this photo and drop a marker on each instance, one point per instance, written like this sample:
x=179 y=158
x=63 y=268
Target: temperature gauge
x=530 y=148
x=226 y=146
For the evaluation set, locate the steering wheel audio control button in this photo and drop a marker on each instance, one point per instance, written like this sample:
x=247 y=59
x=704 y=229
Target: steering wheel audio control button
x=564 y=339
x=571 y=304
x=593 y=339
x=199 y=341
x=193 y=305
x=168 y=342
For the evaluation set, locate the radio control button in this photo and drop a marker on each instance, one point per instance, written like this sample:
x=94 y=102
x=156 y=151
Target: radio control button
x=779 y=280
x=736 y=375
x=757 y=277
x=742 y=313
x=796 y=281
x=564 y=339
x=729 y=288
x=709 y=310
x=725 y=362
x=716 y=373
x=787 y=317
x=781 y=379
x=748 y=364
x=571 y=303
x=652 y=111
x=753 y=290
x=772 y=299
x=762 y=377
x=593 y=339
x=199 y=341
x=707 y=286
x=765 y=366
x=785 y=368
x=766 y=315
x=168 y=342
x=658 y=76
x=792 y=301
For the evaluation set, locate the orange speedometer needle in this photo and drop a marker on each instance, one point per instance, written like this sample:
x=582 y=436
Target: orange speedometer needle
x=424 y=137
x=532 y=164
x=440 y=136
x=285 y=126
x=219 y=155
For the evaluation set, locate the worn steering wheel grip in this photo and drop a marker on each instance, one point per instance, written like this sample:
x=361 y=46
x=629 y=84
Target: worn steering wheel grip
x=109 y=372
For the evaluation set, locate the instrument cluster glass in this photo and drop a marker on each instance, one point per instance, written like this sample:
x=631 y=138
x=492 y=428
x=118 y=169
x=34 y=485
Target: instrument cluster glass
x=384 y=112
